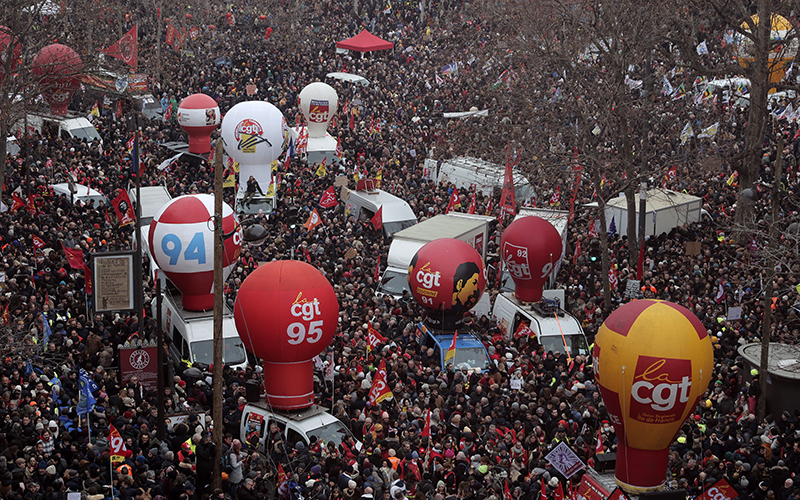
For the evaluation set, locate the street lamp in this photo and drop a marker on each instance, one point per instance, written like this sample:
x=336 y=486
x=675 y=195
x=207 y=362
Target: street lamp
x=291 y=218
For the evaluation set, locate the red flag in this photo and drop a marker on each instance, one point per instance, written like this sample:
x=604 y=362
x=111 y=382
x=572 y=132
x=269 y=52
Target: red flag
x=559 y=494
x=282 y=482
x=339 y=147
x=328 y=198
x=371 y=124
x=17 y=202
x=7 y=315
x=523 y=330
x=543 y=493
x=31 y=205
x=598 y=449
x=297 y=120
x=380 y=389
x=592 y=229
x=378 y=269
x=123 y=208
x=377 y=219
x=556 y=198
x=426 y=431
x=473 y=203
x=170 y=36
x=313 y=221
x=74 y=257
x=374 y=338
x=507 y=492
x=454 y=202
x=489 y=207
x=49 y=162
x=306 y=254
x=119 y=451
x=37 y=242
x=126 y=49
x=577 y=252
x=352 y=123
x=508 y=202
x=722 y=490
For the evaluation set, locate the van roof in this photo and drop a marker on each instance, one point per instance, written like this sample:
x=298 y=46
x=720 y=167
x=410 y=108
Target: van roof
x=82 y=191
x=299 y=415
x=153 y=198
x=439 y=226
x=394 y=209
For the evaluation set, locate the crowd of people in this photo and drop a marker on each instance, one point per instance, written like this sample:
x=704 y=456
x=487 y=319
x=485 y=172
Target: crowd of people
x=486 y=436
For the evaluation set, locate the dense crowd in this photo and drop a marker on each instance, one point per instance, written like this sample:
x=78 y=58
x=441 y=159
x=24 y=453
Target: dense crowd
x=484 y=434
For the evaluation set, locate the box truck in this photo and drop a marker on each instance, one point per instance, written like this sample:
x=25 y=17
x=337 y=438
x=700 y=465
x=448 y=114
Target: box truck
x=363 y=204
x=483 y=176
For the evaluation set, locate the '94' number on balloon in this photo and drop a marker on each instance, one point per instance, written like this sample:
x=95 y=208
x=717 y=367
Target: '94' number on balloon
x=196 y=249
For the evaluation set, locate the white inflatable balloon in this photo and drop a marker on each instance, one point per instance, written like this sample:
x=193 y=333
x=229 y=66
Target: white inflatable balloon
x=318 y=102
x=254 y=134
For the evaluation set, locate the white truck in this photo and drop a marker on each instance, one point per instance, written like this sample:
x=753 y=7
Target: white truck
x=483 y=176
x=363 y=204
x=549 y=323
x=470 y=228
x=71 y=126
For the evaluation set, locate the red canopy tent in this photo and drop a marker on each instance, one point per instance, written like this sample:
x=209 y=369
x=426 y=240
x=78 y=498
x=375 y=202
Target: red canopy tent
x=365 y=42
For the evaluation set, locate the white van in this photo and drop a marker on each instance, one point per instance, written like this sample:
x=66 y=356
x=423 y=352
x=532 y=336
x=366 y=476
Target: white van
x=483 y=176
x=12 y=146
x=153 y=198
x=363 y=205
x=82 y=194
x=71 y=126
x=192 y=334
x=553 y=327
x=300 y=426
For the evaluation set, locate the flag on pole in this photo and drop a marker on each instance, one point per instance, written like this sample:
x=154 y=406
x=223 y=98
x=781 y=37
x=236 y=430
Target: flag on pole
x=702 y=49
x=380 y=388
x=453 y=203
x=74 y=258
x=321 y=170
x=612 y=228
x=378 y=269
x=426 y=430
x=374 y=338
x=313 y=221
x=473 y=203
x=126 y=48
x=577 y=252
x=613 y=280
x=451 y=351
x=686 y=133
x=95 y=112
x=38 y=243
x=592 y=232
x=282 y=482
x=598 y=449
x=119 y=452
x=720 y=291
x=328 y=198
x=377 y=219
x=709 y=131
x=86 y=399
x=379 y=178
x=16 y=202
x=46 y=329
x=508 y=201
x=523 y=330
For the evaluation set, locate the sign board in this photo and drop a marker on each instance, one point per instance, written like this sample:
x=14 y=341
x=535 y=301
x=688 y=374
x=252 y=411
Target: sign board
x=564 y=460
x=350 y=253
x=590 y=489
x=734 y=313
x=633 y=289
x=140 y=361
x=693 y=248
x=112 y=273
x=183 y=418
x=342 y=180
x=251 y=89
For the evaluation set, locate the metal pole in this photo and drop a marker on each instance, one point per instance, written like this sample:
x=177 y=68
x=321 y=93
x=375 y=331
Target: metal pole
x=160 y=358
x=137 y=263
x=642 y=212
x=217 y=371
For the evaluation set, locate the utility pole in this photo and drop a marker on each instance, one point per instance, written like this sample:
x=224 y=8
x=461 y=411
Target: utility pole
x=218 y=304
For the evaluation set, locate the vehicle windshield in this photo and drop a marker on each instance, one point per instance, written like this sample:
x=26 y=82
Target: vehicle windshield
x=394 y=283
x=471 y=358
x=334 y=432
x=232 y=351
x=258 y=203
x=88 y=134
x=576 y=343
x=506 y=283
x=393 y=227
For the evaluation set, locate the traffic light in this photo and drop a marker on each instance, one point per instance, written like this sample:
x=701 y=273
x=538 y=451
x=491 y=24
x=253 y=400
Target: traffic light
x=594 y=250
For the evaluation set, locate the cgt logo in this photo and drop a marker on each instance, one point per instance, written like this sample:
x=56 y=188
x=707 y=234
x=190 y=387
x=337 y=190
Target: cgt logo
x=318 y=111
x=305 y=309
x=248 y=135
x=516 y=259
x=660 y=389
x=428 y=278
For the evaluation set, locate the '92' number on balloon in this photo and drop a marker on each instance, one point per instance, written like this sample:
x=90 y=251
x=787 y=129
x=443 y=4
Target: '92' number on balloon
x=196 y=249
x=297 y=332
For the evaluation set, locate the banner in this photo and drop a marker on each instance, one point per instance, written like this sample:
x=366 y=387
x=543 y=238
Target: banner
x=380 y=389
x=137 y=82
x=126 y=49
x=123 y=208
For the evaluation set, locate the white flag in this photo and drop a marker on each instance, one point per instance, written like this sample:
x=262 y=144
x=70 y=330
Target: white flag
x=708 y=131
x=686 y=133
x=788 y=112
x=702 y=49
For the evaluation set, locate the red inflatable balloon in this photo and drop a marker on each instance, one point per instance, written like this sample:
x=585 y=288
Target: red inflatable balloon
x=58 y=69
x=5 y=39
x=198 y=116
x=286 y=313
x=447 y=277
x=530 y=249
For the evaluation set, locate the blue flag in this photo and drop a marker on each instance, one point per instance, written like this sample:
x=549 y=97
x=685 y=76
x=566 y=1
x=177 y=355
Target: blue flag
x=92 y=385
x=56 y=383
x=612 y=229
x=46 y=329
x=290 y=149
x=28 y=367
x=86 y=399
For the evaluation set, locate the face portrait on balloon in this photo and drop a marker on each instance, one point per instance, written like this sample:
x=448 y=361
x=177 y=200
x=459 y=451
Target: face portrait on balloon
x=466 y=291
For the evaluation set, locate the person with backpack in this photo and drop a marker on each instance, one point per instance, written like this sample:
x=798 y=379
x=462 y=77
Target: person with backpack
x=236 y=474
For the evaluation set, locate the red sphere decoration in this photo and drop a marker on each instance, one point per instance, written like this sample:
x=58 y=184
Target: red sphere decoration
x=58 y=68
x=530 y=249
x=198 y=116
x=286 y=313
x=447 y=277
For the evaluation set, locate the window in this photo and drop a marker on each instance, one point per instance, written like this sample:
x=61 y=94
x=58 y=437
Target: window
x=293 y=438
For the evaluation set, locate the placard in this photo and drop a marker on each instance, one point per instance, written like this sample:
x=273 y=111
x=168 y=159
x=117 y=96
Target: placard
x=112 y=274
x=564 y=460
x=734 y=313
x=350 y=253
x=341 y=180
x=693 y=248
x=251 y=89
x=140 y=361
x=633 y=289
